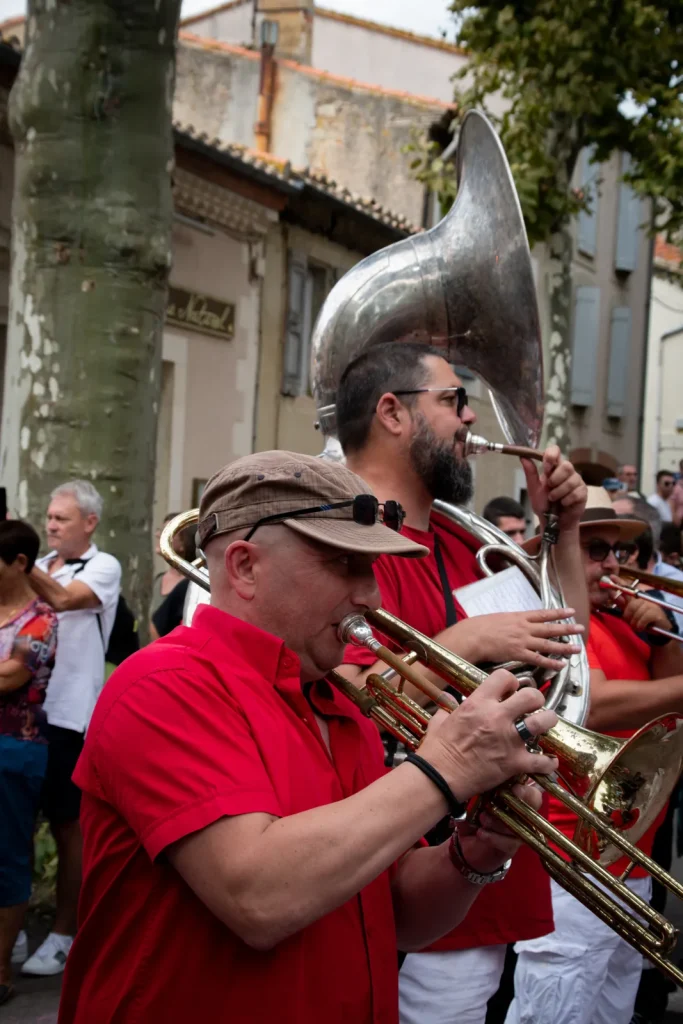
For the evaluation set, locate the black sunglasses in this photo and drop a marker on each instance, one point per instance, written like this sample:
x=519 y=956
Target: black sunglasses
x=460 y=392
x=366 y=512
x=598 y=550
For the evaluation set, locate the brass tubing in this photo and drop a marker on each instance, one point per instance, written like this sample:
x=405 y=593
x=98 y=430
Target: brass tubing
x=406 y=720
x=650 y=579
x=607 y=583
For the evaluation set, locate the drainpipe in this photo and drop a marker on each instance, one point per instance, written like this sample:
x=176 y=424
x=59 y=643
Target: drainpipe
x=262 y=131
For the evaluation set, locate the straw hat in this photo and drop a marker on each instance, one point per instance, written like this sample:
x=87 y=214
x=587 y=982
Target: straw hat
x=598 y=512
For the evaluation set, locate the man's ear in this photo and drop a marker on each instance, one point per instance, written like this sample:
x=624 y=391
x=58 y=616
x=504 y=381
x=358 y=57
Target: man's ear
x=91 y=522
x=22 y=562
x=391 y=414
x=240 y=560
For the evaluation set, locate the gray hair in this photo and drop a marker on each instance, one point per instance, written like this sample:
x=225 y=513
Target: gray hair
x=87 y=498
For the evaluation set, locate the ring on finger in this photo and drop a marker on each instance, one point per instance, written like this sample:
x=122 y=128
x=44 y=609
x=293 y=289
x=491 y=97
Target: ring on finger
x=525 y=733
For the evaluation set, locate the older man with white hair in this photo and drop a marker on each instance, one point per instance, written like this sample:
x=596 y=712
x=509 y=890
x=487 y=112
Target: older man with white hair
x=82 y=584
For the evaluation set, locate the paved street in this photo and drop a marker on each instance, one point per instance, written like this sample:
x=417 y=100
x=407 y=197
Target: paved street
x=38 y=998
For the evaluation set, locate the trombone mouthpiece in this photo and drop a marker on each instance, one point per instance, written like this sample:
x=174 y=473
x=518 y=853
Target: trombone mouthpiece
x=354 y=630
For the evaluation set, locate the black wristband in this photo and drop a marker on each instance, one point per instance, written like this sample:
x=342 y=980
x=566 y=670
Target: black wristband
x=456 y=808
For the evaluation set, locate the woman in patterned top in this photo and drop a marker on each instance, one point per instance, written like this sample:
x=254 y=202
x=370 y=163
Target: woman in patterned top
x=28 y=640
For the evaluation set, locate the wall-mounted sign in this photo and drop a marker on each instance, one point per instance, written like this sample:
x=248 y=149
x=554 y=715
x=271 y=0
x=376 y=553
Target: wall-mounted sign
x=200 y=313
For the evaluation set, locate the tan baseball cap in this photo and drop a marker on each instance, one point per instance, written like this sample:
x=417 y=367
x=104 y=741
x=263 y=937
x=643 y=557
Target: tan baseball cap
x=274 y=483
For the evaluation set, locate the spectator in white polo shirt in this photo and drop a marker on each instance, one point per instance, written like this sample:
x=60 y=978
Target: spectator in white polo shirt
x=82 y=584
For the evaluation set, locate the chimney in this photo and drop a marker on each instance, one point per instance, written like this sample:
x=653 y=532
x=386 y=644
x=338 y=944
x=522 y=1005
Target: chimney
x=295 y=21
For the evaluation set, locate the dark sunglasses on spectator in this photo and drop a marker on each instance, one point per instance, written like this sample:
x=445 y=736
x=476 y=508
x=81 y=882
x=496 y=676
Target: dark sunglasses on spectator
x=598 y=550
x=460 y=394
x=366 y=510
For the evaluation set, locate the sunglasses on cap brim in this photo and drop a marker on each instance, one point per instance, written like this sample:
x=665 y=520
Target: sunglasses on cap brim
x=366 y=511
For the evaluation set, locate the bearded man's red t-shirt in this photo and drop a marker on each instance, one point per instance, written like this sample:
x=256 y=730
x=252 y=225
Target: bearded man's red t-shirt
x=519 y=907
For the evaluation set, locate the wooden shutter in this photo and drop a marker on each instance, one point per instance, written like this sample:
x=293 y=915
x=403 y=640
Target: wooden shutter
x=588 y=219
x=620 y=346
x=585 y=346
x=628 y=224
x=295 y=340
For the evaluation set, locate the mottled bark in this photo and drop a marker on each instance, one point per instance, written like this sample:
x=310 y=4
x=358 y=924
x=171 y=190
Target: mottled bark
x=559 y=354
x=90 y=114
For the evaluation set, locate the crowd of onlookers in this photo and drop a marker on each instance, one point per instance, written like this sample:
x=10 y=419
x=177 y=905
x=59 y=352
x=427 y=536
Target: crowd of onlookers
x=61 y=623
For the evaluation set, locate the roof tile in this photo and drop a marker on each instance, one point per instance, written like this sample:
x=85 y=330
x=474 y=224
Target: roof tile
x=282 y=170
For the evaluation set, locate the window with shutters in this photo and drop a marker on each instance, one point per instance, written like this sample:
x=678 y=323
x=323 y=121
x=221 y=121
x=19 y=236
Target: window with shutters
x=629 y=217
x=309 y=284
x=587 y=232
x=619 y=352
x=585 y=345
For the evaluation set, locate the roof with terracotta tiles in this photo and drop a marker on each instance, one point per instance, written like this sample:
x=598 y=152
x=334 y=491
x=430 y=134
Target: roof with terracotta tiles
x=215 y=46
x=201 y=42
x=348 y=19
x=204 y=43
x=668 y=255
x=281 y=171
x=10 y=23
x=8 y=36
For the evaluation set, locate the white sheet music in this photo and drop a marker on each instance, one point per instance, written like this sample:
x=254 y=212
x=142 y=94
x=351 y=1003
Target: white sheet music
x=507 y=591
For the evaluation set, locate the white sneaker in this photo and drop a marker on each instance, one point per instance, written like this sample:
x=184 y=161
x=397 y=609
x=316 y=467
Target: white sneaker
x=49 y=958
x=20 y=951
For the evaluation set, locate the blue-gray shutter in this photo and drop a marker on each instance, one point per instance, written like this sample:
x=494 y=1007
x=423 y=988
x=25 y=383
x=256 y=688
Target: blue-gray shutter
x=588 y=219
x=628 y=223
x=295 y=341
x=585 y=345
x=620 y=345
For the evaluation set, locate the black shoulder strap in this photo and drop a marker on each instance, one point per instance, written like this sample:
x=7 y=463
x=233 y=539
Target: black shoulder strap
x=451 y=612
x=81 y=563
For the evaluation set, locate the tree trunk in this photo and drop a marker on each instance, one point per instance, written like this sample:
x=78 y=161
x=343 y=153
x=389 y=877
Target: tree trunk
x=90 y=114
x=558 y=384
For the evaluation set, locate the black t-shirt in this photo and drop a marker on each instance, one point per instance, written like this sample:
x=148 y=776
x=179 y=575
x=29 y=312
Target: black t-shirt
x=169 y=614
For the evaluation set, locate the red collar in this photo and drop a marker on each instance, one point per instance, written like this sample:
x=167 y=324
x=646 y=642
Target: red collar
x=267 y=656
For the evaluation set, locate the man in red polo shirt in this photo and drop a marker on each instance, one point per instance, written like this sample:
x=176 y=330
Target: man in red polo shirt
x=583 y=973
x=244 y=850
x=399 y=407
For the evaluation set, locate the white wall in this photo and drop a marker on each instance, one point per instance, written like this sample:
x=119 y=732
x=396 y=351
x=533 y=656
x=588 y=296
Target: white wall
x=662 y=442
x=390 y=61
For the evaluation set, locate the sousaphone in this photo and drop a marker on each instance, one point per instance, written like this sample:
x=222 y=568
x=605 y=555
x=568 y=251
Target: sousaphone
x=467 y=288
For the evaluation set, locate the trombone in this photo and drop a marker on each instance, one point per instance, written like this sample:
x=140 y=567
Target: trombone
x=628 y=586
x=615 y=787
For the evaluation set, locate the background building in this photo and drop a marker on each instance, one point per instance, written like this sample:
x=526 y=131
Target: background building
x=663 y=426
x=357 y=130
x=336 y=101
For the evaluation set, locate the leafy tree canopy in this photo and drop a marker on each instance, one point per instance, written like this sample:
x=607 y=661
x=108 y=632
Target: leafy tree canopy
x=601 y=73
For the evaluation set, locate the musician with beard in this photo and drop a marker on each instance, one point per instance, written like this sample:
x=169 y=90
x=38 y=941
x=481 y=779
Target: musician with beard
x=399 y=407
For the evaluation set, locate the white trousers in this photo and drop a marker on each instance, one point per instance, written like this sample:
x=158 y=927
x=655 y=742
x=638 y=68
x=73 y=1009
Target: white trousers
x=450 y=987
x=582 y=973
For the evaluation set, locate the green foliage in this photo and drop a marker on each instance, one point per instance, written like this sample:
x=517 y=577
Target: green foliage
x=600 y=73
x=44 y=866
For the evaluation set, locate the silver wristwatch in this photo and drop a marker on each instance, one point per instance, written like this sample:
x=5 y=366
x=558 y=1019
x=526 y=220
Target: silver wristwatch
x=474 y=877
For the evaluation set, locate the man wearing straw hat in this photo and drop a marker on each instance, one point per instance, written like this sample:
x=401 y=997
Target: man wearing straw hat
x=247 y=857
x=583 y=973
